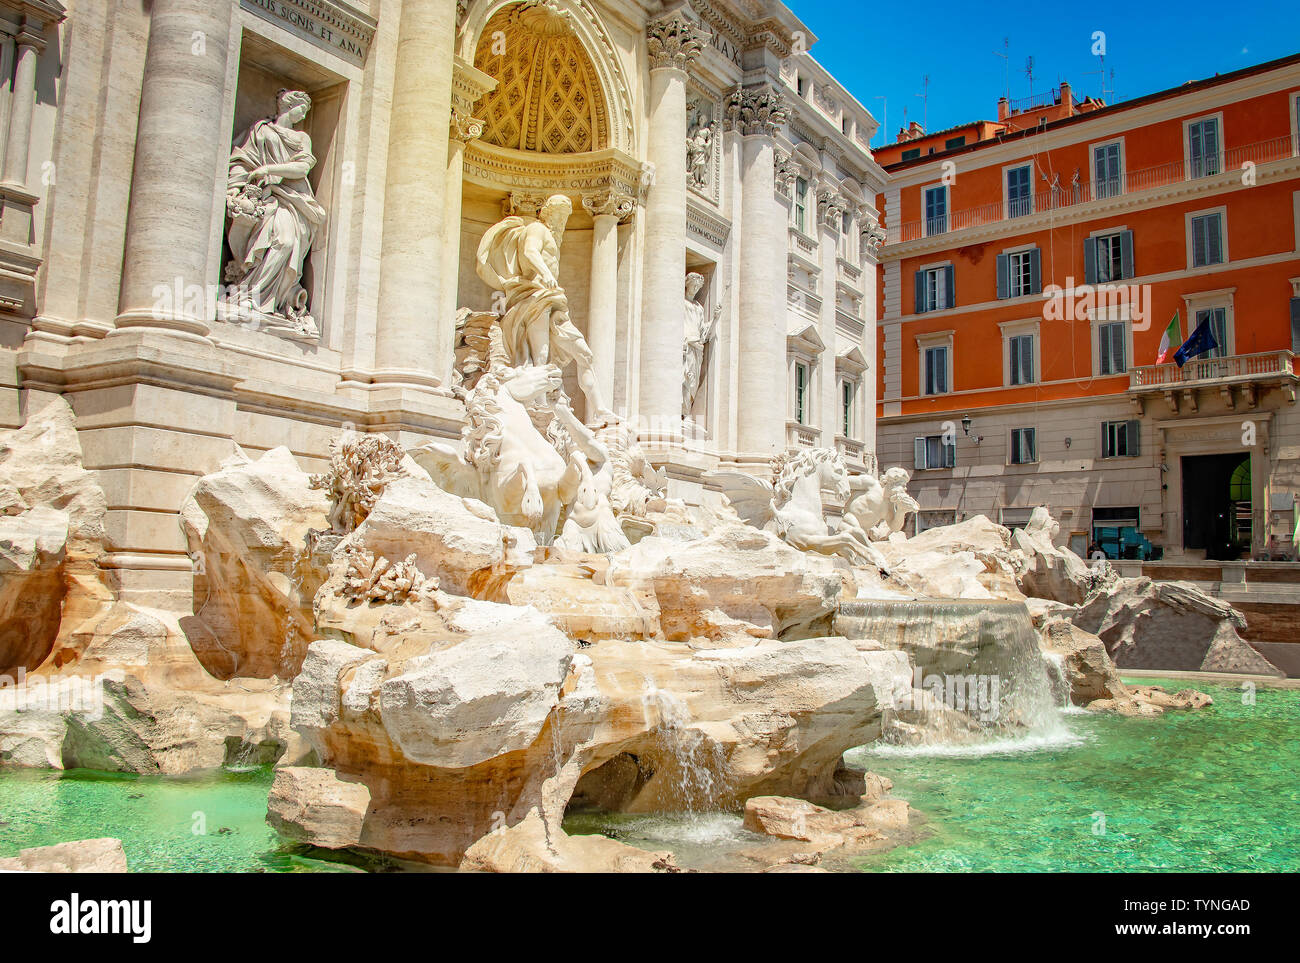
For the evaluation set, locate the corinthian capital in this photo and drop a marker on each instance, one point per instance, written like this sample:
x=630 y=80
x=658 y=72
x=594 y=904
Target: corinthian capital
x=465 y=128
x=759 y=109
x=608 y=202
x=674 y=41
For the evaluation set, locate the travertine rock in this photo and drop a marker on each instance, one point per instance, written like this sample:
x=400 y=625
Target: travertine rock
x=825 y=829
x=51 y=534
x=247 y=526
x=1089 y=670
x=971 y=560
x=455 y=540
x=82 y=856
x=736 y=585
x=1170 y=625
x=529 y=847
x=1051 y=571
x=457 y=740
x=315 y=806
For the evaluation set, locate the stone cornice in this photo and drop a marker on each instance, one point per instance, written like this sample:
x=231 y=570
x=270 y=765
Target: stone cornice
x=674 y=41
x=574 y=174
x=330 y=24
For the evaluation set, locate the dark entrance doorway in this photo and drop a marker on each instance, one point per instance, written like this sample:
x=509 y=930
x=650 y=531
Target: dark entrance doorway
x=1216 y=499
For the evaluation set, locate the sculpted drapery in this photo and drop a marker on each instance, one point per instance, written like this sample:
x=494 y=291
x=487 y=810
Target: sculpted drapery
x=274 y=220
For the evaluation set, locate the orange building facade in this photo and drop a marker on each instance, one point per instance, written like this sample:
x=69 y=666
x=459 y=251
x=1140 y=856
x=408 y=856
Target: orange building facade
x=1027 y=277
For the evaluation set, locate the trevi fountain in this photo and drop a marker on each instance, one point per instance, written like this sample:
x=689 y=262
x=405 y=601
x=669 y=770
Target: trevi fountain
x=417 y=553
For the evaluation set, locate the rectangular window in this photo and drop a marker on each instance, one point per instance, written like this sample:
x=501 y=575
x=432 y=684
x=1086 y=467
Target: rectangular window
x=1203 y=147
x=1110 y=258
x=1024 y=446
x=954 y=142
x=1120 y=439
x=1020 y=198
x=1207 y=239
x=801 y=393
x=936 y=290
x=1218 y=318
x=1022 y=273
x=846 y=233
x=801 y=204
x=936 y=210
x=1106 y=171
x=911 y=154
x=933 y=452
x=1111 y=344
x=936 y=370
x=1021 y=365
x=846 y=408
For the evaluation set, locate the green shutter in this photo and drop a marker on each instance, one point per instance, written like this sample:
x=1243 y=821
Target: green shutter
x=1126 y=254
x=950 y=284
x=1295 y=325
x=1134 y=437
x=1090 y=260
x=918 y=452
x=1035 y=271
x=919 y=307
x=1004 y=276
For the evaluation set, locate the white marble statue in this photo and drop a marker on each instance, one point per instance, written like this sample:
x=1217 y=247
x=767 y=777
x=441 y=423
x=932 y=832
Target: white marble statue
x=699 y=144
x=274 y=219
x=878 y=507
x=790 y=505
x=520 y=256
x=700 y=328
x=530 y=476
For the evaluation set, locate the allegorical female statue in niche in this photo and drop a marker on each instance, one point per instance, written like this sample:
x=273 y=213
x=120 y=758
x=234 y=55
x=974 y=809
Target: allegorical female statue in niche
x=274 y=218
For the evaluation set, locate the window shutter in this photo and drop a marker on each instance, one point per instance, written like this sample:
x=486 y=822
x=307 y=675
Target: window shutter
x=949 y=287
x=1295 y=325
x=920 y=292
x=1004 y=275
x=1214 y=228
x=919 y=453
x=1090 y=260
x=1035 y=271
x=1118 y=349
x=1033 y=444
x=1103 y=347
x=1134 y=437
x=1027 y=361
x=1198 y=241
x=1101 y=446
x=950 y=454
x=1126 y=254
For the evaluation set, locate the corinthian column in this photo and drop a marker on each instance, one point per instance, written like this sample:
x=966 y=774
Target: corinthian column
x=468 y=86
x=606 y=210
x=755 y=113
x=412 y=342
x=830 y=213
x=173 y=182
x=673 y=42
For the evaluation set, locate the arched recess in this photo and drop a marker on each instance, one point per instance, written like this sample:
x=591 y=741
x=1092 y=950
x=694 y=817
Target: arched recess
x=601 y=54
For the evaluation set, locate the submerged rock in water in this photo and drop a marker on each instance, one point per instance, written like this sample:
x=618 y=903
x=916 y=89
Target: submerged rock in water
x=315 y=806
x=82 y=856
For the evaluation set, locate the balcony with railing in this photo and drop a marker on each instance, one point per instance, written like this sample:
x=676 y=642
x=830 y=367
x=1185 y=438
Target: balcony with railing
x=1061 y=197
x=1248 y=372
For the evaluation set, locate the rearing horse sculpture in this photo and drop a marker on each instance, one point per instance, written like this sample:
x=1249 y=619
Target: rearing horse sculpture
x=790 y=506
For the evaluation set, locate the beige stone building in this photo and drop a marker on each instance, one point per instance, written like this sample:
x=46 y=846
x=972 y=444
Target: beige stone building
x=198 y=257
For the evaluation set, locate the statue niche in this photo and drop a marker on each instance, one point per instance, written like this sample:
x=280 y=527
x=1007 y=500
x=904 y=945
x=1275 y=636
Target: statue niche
x=274 y=218
x=700 y=328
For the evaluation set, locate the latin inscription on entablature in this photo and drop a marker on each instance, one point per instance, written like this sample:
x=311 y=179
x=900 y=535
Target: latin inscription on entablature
x=326 y=23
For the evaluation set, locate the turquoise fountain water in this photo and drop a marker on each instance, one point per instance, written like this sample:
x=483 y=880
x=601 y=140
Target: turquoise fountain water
x=1214 y=790
x=210 y=822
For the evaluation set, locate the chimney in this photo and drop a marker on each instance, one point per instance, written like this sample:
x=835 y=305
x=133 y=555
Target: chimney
x=1004 y=109
x=1067 y=101
x=915 y=130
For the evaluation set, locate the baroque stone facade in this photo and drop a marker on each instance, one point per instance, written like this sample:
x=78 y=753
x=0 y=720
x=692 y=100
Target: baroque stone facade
x=307 y=272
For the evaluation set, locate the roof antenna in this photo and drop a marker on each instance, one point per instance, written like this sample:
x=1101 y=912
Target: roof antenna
x=1029 y=72
x=1006 y=66
x=925 y=103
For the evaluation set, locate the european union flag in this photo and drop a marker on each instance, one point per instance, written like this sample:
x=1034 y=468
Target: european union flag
x=1200 y=341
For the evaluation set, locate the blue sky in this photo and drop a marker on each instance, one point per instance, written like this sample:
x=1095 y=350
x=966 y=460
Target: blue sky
x=887 y=49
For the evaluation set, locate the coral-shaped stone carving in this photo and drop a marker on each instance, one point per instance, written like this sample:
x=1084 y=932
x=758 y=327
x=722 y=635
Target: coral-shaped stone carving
x=360 y=467
x=371 y=579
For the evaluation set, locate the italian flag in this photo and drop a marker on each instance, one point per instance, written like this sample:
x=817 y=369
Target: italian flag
x=1170 y=340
